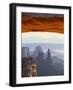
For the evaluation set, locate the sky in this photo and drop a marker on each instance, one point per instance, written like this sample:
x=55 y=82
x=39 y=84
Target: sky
x=42 y=37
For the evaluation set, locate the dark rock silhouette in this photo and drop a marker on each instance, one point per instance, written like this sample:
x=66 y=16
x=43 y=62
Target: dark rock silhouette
x=49 y=57
x=48 y=53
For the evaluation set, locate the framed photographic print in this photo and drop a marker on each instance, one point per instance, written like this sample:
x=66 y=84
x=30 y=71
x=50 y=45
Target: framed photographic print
x=40 y=44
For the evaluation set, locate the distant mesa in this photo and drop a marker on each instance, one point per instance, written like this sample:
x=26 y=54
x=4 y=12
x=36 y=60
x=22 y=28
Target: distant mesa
x=25 y=52
x=38 y=53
